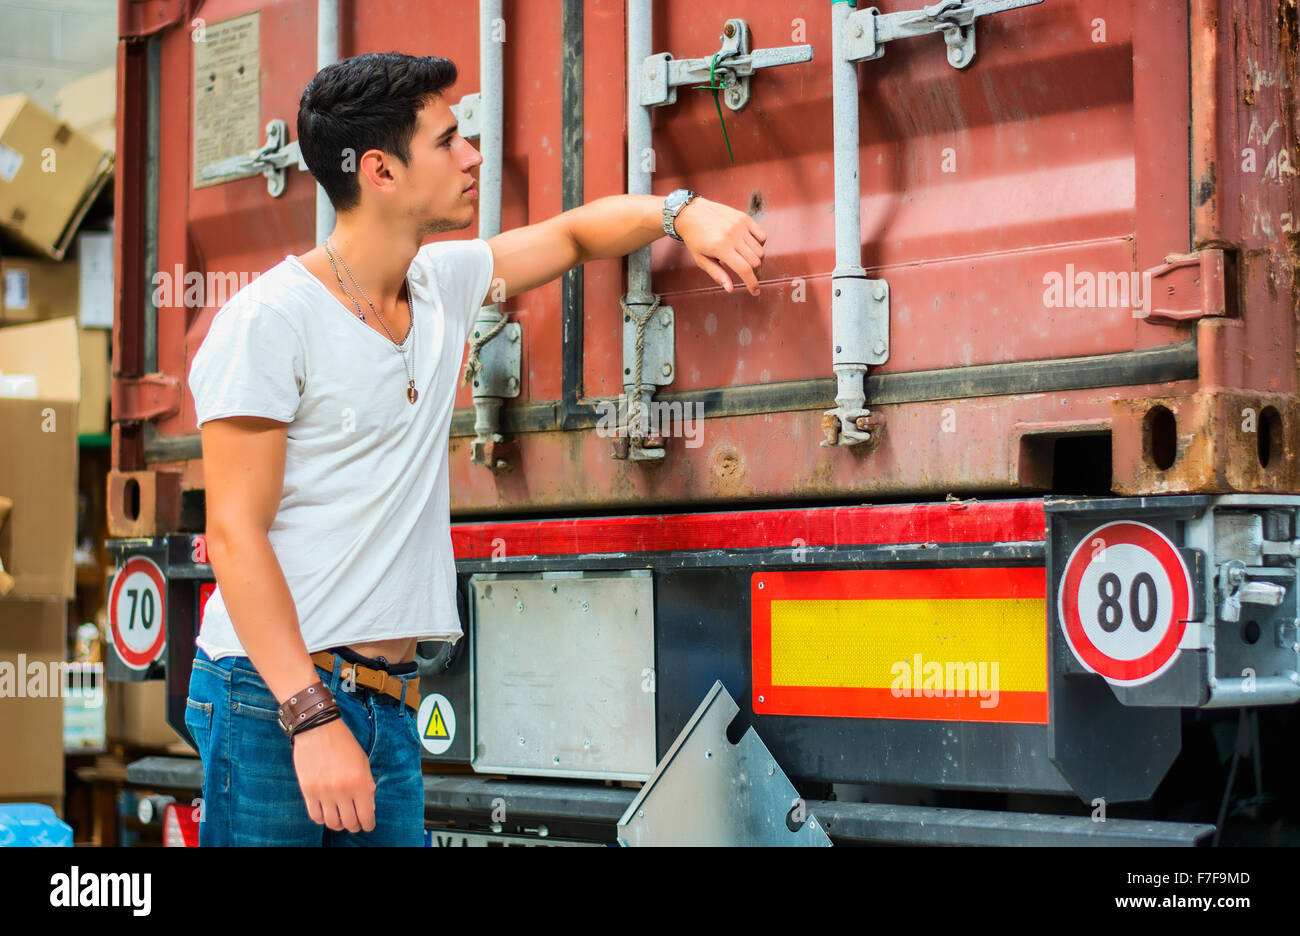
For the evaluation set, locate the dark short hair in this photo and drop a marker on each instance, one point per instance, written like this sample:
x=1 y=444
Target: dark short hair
x=361 y=103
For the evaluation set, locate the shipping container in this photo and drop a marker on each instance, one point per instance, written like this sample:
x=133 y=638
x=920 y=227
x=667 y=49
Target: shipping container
x=1029 y=302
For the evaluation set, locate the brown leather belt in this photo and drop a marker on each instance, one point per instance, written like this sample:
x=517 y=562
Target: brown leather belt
x=378 y=680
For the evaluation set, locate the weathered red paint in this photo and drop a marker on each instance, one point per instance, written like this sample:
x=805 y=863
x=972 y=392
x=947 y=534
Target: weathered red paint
x=1067 y=149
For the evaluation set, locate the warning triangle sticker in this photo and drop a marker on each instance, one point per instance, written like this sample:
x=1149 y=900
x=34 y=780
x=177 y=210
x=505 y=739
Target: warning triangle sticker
x=437 y=728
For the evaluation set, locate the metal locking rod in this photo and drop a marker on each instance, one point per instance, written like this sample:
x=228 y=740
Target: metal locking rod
x=860 y=305
x=274 y=157
x=869 y=29
x=654 y=80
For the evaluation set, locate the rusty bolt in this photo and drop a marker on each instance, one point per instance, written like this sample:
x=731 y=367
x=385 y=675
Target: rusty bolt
x=831 y=426
x=668 y=370
x=729 y=30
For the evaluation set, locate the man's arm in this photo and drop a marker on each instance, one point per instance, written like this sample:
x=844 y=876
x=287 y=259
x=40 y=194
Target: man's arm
x=243 y=468
x=243 y=461
x=613 y=227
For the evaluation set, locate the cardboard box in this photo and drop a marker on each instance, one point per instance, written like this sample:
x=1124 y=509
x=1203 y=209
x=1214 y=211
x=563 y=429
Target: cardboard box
x=137 y=714
x=92 y=410
x=50 y=175
x=89 y=104
x=38 y=459
x=95 y=278
x=33 y=634
x=38 y=290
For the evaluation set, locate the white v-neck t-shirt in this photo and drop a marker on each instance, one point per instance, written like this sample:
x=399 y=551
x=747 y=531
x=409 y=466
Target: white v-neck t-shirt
x=363 y=530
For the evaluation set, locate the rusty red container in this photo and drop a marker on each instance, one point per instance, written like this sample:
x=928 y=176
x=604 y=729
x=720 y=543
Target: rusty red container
x=1089 y=236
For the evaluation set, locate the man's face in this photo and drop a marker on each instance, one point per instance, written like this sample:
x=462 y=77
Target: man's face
x=438 y=188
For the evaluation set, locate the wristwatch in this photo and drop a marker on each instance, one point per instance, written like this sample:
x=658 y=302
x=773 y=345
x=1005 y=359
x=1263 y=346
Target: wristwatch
x=673 y=206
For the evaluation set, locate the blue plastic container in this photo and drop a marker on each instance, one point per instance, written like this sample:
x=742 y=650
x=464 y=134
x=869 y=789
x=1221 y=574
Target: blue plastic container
x=32 y=824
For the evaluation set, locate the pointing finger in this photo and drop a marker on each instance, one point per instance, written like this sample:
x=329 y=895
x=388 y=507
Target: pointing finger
x=714 y=270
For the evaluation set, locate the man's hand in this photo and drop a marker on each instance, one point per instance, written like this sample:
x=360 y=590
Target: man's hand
x=716 y=234
x=334 y=775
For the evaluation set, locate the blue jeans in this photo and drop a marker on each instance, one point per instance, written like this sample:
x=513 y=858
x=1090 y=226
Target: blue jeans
x=250 y=788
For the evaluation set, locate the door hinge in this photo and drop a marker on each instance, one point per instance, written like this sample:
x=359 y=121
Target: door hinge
x=142 y=399
x=139 y=19
x=1187 y=287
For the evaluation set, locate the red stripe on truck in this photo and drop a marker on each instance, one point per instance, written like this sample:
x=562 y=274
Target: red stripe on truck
x=986 y=522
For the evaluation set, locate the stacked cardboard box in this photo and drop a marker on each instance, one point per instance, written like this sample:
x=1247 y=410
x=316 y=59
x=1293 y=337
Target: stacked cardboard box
x=38 y=457
x=38 y=290
x=33 y=641
x=137 y=715
x=54 y=386
x=50 y=175
x=89 y=105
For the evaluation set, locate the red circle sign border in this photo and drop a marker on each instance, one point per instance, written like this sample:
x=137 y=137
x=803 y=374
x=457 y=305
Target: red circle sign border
x=1165 y=553
x=130 y=657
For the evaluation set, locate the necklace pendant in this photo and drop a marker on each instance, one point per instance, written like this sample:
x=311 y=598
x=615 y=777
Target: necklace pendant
x=411 y=393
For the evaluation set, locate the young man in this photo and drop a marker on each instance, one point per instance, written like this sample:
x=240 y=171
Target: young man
x=324 y=393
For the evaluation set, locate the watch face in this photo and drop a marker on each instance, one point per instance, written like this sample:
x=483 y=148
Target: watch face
x=676 y=198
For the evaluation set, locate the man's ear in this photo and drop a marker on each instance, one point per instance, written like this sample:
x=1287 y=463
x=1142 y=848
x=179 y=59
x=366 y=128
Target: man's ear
x=375 y=169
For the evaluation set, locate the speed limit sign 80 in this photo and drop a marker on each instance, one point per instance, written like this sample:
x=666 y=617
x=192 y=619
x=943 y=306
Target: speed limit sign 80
x=136 y=612
x=1124 y=601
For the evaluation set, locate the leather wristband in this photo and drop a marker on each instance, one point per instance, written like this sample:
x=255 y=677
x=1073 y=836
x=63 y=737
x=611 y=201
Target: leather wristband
x=315 y=721
x=304 y=706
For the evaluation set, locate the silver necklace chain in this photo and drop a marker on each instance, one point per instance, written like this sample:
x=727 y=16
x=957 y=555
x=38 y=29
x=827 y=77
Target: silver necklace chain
x=332 y=252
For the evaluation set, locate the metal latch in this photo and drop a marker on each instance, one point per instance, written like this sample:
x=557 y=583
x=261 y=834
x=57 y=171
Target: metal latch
x=869 y=29
x=662 y=75
x=276 y=155
x=1235 y=589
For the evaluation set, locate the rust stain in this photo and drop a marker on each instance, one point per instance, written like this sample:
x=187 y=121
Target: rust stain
x=1205 y=186
x=726 y=465
x=1218 y=445
x=1288 y=29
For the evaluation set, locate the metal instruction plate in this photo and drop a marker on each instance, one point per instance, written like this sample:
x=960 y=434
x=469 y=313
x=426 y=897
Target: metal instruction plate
x=227 y=93
x=563 y=674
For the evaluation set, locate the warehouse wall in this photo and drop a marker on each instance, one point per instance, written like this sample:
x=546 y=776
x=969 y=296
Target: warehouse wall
x=44 y=44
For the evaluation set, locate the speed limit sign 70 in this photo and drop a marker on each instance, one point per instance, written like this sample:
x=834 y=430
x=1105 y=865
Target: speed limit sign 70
x=1124 y=601
x=136 y=612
